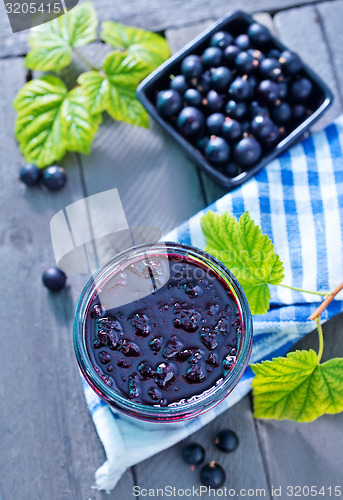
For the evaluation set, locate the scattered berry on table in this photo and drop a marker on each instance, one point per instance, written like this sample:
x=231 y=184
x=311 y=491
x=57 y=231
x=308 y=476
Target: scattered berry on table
x=226 y=440
x=54 y=177
x=212 y=475
x=193 y=453
x=54 y=278
x=29 y=174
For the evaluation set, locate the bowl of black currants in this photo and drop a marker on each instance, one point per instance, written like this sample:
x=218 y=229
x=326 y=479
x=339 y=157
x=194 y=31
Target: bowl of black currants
x=234 y=98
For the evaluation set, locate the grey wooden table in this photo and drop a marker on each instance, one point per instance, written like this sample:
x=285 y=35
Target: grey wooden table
x=49 y=449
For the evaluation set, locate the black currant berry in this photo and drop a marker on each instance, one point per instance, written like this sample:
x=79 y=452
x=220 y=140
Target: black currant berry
x=236 y=110
x=54 y=177
x=259 y=35
x=191 y=67
x=283 y=89
x=262 y=126
x=247 y=152
x=168 y=102
x=301 y=89
x=270 y=68
x=217 y=151
x=212 y=57
x=221 y=78
x=298 y=111
x=245 y=62
x=242 y=42
x=214 y=123
x=214 y=101
x=268 y=91
x=190 y=121
x=226 y=440
x=192 y=97
x=231 y=130
x=179 y=83
x=54 y=279
x=240 y=89
x=29 y=174
x=193 y=453
x=230 y=54
x=281 y=114
x=291 y=62
x=221 y=39
x=212 y=475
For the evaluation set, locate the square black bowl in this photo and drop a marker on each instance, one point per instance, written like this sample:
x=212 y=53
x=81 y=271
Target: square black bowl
x=235 y=23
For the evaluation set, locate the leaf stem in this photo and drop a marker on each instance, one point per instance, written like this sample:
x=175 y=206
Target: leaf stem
x=321 y=339
x=326 y=302
x=323 y=294
x=85 y=60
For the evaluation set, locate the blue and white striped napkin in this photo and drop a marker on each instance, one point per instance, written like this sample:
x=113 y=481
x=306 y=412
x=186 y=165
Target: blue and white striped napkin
x=298 y=202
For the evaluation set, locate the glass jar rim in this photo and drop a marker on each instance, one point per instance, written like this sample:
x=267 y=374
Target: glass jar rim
x=207 y=398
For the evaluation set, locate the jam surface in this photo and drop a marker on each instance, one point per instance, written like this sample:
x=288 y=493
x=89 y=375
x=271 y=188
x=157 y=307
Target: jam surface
x=171 y=345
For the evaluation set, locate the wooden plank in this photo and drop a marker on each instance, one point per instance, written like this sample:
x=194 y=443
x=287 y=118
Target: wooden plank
x=148 y=14
x=331 y=15
x=244 y=467
x=47 y=435
x=157 y=184
x=307 y=454
x=300 y=29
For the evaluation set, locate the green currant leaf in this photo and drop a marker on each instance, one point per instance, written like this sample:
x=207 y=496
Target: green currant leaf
x=124 y=73
x=124 y=70
x=248 y=253
x=151 y=48
x=95 y=87
x=51 y=121
x=51 y=43
x=40 y=131
x=296 y=387
x=81 y=125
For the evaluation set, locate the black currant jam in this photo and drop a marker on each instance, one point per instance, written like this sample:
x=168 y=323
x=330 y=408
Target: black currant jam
x=163 y=331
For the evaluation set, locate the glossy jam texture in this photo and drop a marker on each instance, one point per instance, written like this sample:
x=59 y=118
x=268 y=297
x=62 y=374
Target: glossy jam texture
x=172 y=344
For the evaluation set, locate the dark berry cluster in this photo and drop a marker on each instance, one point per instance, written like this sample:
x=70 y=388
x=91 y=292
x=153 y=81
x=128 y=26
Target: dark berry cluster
x=212 y=474
x=237 y=99
x=53 y=177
